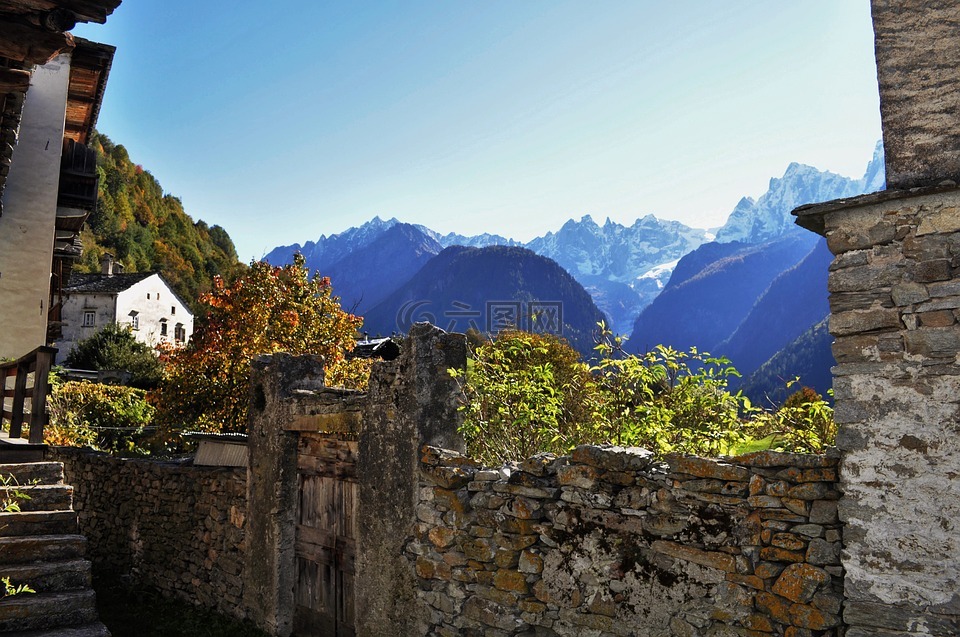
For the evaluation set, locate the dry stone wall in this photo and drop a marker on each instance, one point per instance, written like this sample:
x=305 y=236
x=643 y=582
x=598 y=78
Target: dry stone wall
x=174 y=527
x=609 y=542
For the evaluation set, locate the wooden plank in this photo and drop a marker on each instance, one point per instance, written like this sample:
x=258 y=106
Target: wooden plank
x=339 y=422
x=312 y=539
x=14 y=80
x=314 y=597
x=41 y=389
x=350 y=498
x=318 y=501
x=19 y=394
x=30 y=45
x=316 y=467
x=346 y=615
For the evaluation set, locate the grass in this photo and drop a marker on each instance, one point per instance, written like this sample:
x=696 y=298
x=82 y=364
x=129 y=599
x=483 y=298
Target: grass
x=140 y=612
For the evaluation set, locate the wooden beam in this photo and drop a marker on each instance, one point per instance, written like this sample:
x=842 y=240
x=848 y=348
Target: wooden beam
x=31 y=45
x=85 y=10
x=14 y=80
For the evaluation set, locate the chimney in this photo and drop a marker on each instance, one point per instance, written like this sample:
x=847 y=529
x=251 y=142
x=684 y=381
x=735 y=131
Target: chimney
x=917 y=45
x=106 y=264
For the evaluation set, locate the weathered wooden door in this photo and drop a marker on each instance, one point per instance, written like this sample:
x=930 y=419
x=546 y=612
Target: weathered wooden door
x=326 y=536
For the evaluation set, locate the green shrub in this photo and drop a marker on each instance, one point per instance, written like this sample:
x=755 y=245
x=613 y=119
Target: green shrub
x=804 y=424
x=115 y=347
x=666 y=400
x=525 y=393
x=106 y=417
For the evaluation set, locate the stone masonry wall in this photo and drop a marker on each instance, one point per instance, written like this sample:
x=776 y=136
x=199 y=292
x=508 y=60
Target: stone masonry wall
x=895 y=304
x=177 y=528
x=917 y=60
x=609 y=542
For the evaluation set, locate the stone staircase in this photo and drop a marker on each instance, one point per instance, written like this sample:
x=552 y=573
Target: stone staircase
x=40 y=547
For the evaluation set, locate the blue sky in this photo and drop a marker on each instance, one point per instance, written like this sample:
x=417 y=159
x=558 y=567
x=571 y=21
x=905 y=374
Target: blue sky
x=291 y=119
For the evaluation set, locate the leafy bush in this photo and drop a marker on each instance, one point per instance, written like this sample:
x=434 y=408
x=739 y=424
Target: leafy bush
x=526 y=393
x=115 y=347
x=667 y=400
x=804 y=424
x=106 y=417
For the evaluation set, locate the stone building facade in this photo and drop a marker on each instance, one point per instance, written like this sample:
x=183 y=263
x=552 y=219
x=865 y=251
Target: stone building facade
x=895 y=303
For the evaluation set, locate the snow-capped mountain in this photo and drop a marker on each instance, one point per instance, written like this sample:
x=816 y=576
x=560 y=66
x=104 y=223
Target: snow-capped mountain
x=769 y=216
x=327 y=250
x=623 y=267
x=477 y=241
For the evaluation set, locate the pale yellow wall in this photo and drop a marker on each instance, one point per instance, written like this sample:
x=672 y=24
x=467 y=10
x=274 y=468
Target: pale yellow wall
x=29 y=212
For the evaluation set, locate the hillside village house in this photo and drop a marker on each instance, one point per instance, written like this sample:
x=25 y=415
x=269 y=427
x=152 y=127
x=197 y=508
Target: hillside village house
x=51 y=87
x=142 y=301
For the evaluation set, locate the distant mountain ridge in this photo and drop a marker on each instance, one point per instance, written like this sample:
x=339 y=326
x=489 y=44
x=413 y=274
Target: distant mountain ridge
x=705 y=308
x=368 y=274
x=623 y=267
x=769 y=216
x=488 y=289
x=745 y=292
x=781 y=267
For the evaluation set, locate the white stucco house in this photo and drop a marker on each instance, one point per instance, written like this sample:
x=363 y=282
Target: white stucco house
x=141 y=300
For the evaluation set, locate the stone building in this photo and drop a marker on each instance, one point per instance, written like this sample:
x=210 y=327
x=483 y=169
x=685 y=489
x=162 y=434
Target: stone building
x=895 y=303
x=142 y=301
x=51 y=86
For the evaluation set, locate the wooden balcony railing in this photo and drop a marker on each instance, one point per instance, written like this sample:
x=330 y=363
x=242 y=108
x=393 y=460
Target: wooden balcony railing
x=27 y=376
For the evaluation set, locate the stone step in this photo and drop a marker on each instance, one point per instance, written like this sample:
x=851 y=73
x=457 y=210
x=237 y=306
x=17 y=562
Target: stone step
x=95 y=629
x=38 y=523
x=25 y=473
x=50 y=577
x=41 y=548
x=42 y=497
x=18 y=450
x=47 y=610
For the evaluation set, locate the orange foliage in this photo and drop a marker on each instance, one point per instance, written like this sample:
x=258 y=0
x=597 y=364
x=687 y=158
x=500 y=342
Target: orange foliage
x=269 y=309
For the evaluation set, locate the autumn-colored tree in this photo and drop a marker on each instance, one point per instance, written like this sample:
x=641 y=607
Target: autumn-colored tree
x=268 y=309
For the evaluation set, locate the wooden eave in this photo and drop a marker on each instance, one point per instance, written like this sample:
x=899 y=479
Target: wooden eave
x=28 y=35
x=84 y=10
x=89 y=68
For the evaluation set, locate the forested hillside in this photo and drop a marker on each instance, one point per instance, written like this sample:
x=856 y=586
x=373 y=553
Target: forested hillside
x=148 y=230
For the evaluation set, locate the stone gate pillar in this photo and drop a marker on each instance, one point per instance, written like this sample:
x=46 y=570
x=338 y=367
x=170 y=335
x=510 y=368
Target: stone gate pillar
x=895 y=303
x=412 y=401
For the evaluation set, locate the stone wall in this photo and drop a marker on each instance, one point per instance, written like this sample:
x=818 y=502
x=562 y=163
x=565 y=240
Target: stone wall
x=174 y=527
x=917 y=60
x=895 y=304
x=609 y=542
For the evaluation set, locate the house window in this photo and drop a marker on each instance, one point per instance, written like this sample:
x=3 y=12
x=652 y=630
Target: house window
x=148 y=296
x=135 y=320
x=163 y=327
x=89 y=318
x=179 y=334
x=173 y=309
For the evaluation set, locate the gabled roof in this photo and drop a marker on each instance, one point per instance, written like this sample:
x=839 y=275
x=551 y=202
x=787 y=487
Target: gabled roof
x=103 y=283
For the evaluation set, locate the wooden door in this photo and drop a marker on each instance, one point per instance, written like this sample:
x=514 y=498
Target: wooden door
x=326 y=536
